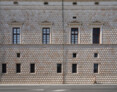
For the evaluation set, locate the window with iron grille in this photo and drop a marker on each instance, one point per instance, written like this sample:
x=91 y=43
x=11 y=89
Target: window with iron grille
x=18 y=68
x=4 y=68
x=46 y=36
x=16 y=35
x=74 y=55
x=59 y=68
x=74 y=36
x=18 y=55
x=95 y=55
x=32 y=68
x=74 y=68
x=96 y=35
x=95 y=68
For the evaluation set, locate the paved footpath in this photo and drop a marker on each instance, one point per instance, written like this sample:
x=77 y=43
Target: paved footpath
x=58 y=88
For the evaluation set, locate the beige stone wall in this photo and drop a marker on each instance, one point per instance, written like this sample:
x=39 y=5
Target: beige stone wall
x=46 y=58
x=31 y=19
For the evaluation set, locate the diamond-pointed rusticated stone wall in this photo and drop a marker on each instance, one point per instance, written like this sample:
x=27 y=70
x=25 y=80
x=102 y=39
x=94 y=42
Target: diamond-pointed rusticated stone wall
x=32 y=16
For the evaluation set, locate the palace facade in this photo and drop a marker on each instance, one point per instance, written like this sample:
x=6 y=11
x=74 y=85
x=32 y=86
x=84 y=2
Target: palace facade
x=58 y=41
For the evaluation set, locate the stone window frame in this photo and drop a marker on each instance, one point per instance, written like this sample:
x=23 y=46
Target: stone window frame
x=75 y=25
x=97 y=24
x=46 y=24
x=13 y=25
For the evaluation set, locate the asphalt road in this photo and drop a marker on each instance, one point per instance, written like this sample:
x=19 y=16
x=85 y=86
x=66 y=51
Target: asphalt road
x=58 y=88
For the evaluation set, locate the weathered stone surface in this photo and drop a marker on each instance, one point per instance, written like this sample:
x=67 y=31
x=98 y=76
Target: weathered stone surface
x=31 y=19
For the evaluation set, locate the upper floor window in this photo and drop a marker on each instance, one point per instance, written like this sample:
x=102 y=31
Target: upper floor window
x=74 y=35
x=46 y=36
x=16 y=35
x=96 y=35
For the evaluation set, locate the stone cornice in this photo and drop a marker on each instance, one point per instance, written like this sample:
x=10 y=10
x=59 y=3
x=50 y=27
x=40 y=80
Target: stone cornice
x=75 y=23
x=60 y=0
x=46 y=23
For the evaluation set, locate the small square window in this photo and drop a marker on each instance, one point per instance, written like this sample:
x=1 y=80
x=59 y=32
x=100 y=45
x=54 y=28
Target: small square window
x=95 y=55
x=45 y=3
x=74 y=17
x=74 y=3
x=18 y=54
x=74 y=55
x=96 y=3
x=15 y=2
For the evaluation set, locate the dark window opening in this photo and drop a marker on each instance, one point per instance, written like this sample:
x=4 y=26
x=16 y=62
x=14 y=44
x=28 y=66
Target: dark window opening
x=15 y=2
x=95 y=68
x=18 y=68
x=4 y=70
x=32 y=68
x=74 y=36
x=18 y=54
x=46 y=36
x=74 y=3
x=96 y=3
x=59 y=68
x=74 y=68
x=16 y=35
x=95 y=55
x=74 y=55
x=96 y=35
x=45 y=3
x=74 y=17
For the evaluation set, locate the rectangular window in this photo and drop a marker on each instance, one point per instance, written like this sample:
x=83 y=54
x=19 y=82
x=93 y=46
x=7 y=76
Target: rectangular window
x=96 y=35
x=16 y=35
x=59 y=68
x=4 y=70
x=74 y=55
x=46 y=36
x=18 y=68
x=74 y=36
x=74 y=68
x=95 y=68
x=32 y=68
x=18 y=54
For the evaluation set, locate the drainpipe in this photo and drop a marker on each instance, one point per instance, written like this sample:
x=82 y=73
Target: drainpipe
x=63 y=42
